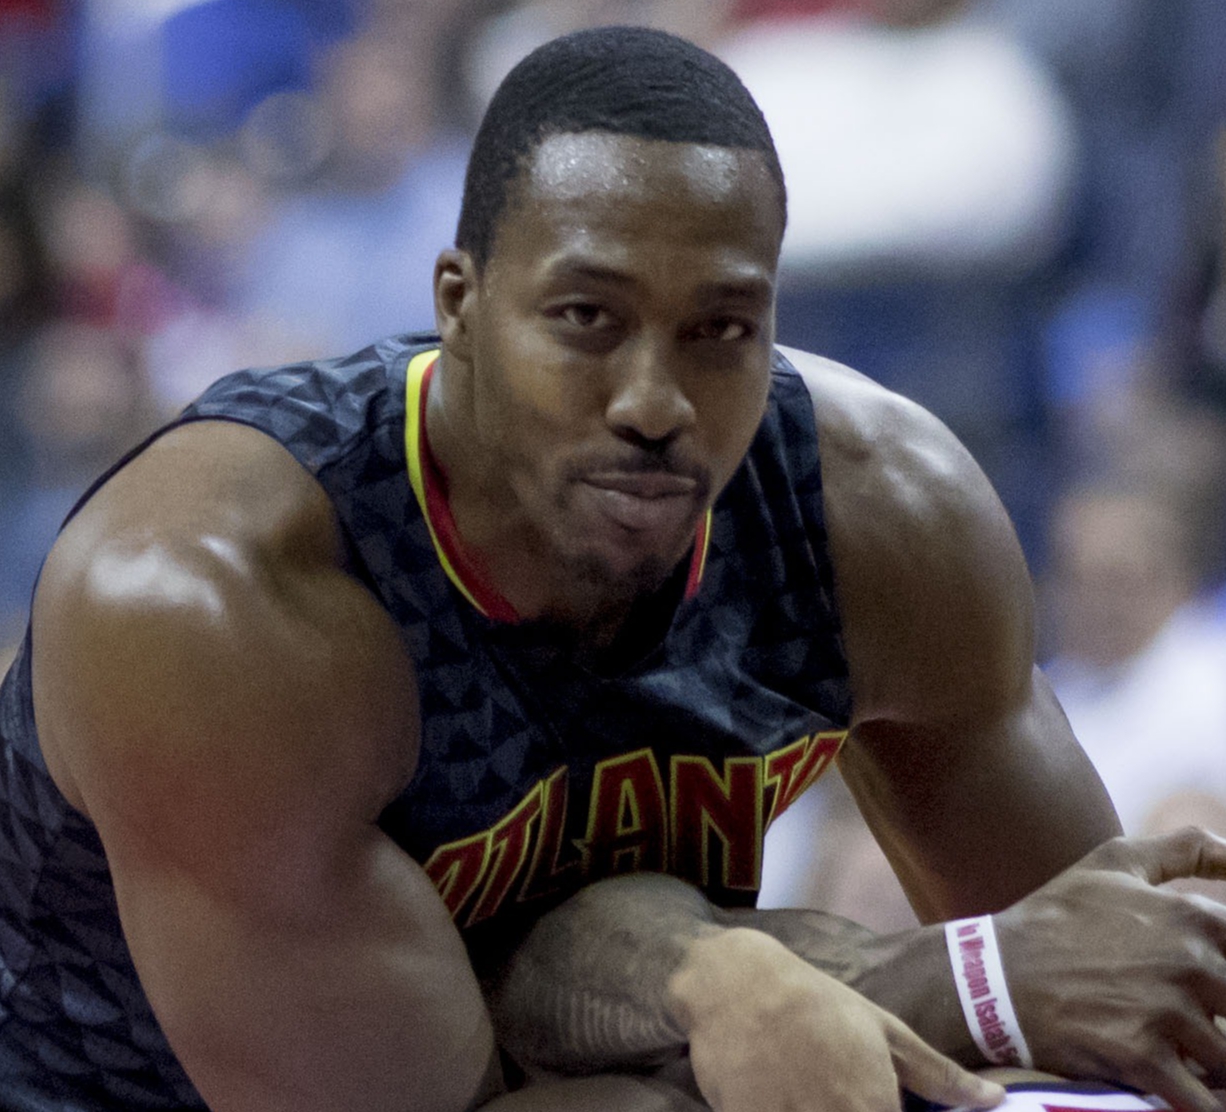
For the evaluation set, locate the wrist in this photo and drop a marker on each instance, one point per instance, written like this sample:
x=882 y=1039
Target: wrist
x=721 y=967
x=908 y=974
x=983 y=992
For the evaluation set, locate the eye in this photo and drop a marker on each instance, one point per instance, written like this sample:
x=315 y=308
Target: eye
x=582 y=314
x=724 y=330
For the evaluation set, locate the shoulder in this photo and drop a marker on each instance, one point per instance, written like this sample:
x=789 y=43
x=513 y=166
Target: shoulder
x=321 y=408
x=200 y=650
x=927 y=566
x=202 y=503
x=884 y=453
x=865 y=428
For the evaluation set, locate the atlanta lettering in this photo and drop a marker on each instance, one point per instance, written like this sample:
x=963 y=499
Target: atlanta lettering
x=692 y=819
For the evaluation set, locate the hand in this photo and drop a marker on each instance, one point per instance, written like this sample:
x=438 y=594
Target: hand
x=769 y=1033
x=1114 y=978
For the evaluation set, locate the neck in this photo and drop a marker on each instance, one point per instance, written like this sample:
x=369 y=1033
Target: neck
x=613 y=640
x=511 y=556
x=496 y=538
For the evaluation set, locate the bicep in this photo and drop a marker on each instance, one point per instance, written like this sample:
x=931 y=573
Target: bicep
x=233 y=719
x=360 y=996
x=295 y=957
x=959 y=756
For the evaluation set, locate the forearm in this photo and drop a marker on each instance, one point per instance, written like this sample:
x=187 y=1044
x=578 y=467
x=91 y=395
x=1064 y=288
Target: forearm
x=1099 y=962
x=360 y=998
x=593 y=985
x=637 y=971
x=587 y=990
x=975 y=818
x=908 y=974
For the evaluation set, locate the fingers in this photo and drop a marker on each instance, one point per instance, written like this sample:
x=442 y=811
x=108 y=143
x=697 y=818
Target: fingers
x=1179 y=1067
x=934 y=1077
x=1206 y=985
x=1176 y=1085
x=1188 y=945
x=1191 y=852
x=1203 y=1043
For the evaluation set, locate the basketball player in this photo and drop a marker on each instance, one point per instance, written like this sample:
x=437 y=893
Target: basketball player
x=349 y=698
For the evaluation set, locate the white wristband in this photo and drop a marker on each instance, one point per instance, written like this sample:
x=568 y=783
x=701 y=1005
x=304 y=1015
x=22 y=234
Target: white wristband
x=984 y=993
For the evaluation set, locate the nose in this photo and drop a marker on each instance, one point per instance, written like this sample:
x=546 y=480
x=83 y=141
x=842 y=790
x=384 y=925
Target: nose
x=647 y=402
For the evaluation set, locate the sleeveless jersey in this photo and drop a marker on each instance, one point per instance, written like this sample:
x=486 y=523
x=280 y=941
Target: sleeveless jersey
x=536 y=774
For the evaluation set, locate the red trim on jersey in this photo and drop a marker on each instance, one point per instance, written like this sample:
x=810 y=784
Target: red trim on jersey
x=698 y=557
x=488 y=599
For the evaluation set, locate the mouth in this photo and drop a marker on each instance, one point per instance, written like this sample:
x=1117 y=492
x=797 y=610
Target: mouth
x=657 y=503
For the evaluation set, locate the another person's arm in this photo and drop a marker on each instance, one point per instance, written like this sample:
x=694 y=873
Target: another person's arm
x=233 y=711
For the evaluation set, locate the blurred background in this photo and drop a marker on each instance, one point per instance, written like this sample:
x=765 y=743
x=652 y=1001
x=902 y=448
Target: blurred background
x=1013 y=211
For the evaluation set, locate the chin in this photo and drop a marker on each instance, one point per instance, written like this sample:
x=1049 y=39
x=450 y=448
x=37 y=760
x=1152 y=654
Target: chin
x=600 y=583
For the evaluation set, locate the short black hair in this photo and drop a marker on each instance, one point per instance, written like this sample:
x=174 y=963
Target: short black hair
x=628 y=80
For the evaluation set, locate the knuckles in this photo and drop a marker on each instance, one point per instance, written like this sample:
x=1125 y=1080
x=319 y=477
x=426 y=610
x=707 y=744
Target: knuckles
x=1109 y=973
x=1187 y=851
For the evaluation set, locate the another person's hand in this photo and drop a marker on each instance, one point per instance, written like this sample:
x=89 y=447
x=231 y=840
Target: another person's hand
x=1114 y=977
x=769 y=1033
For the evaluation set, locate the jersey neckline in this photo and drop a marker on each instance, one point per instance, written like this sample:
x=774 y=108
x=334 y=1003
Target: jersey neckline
x=426 y=479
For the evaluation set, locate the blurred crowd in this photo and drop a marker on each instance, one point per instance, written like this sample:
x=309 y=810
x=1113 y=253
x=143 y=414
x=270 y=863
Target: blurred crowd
x=1013 y=211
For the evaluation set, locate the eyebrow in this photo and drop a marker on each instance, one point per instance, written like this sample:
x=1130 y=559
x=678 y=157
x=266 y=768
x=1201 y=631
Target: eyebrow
x=578 y=268
x=752 y=287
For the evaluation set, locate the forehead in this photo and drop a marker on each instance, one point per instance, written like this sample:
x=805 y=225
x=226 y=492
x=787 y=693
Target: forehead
x=576 y=166
x=601 y=187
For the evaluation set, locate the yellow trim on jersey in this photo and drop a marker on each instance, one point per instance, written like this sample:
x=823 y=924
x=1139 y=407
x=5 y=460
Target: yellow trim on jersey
x=706 y=545
x=413 y=456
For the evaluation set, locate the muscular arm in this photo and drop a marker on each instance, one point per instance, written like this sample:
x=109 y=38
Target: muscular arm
x=566 y=1005
x=969 y=775
x=1113 y=978
x=233 y=711
x=967 y=772
x=635 y=971
x=959 y=757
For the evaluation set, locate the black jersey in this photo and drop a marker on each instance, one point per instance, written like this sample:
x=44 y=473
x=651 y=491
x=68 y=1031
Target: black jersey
x=536 y=774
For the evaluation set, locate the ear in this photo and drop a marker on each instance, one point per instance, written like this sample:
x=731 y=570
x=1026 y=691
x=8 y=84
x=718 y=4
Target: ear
x=455 y=300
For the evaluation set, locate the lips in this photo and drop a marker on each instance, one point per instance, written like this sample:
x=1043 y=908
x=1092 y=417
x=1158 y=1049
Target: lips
x=645 y=502
x=645 y=484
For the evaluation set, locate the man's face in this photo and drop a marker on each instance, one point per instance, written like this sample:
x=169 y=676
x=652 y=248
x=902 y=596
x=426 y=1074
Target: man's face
x=620 y=347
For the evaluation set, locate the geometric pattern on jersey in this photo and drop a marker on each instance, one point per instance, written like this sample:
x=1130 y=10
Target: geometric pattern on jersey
x=76 y=1031
x=750 y=663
